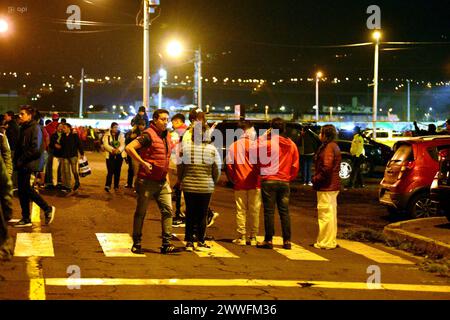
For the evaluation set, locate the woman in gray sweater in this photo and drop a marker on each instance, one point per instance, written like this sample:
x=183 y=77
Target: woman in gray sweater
x=198 y=171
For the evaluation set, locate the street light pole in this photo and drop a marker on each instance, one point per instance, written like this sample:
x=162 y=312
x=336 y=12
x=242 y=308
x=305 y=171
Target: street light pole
x=318 y=76
x=162 y=79
x=409 y=102
x=377 y=36
x=198 y=78
x=146 y=71
x=81 y=93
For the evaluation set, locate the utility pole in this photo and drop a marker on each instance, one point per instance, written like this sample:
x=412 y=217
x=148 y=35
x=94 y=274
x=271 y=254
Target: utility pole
x=198 y=78
x=377 y=36
x=80 y=115
x=149 y=7
x=408 y=117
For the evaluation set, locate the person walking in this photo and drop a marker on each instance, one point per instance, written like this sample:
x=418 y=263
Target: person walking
x=154 y=147
x=243 y=172
x=198 y=171
x=52 y=128
x=71 y=146
x=358 y=156
x=56 y=149
x=135 y=132
x=114 y=144
x=278 y=160
x=179 y=129
x=6 y=243
x=6 y=153
x=12 y=133
x=28 y=159
x=326 y=182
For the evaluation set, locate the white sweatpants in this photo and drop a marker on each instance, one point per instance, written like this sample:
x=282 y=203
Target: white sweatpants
x=327 y=214
x=248 y=204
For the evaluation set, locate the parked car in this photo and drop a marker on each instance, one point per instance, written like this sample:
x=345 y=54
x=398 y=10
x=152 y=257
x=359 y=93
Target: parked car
x=440 y=188
x=377 y=156
x=409 y=174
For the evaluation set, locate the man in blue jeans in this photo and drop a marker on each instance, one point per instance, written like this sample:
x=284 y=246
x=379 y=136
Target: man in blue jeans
x=154 y=147
x=278 y=160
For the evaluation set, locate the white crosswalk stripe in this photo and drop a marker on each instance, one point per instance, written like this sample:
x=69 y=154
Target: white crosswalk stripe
x=216 y=251
x=372 y=253
x=117 y=245
x=296 y=253
x=34 y=245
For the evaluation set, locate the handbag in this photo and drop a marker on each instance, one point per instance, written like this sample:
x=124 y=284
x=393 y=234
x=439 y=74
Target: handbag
x=83 y=167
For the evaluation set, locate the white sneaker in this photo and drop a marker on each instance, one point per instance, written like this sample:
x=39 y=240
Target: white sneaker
x=240 y=241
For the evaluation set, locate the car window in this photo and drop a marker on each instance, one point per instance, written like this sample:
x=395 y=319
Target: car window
x=404 y=152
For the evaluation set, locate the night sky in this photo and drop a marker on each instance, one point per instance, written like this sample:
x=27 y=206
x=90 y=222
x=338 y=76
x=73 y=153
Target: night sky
x=259 y=38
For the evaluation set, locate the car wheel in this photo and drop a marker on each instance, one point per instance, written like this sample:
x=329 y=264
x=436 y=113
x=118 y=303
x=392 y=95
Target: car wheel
x=421 y=206
x=366 y=167
x=346 y=170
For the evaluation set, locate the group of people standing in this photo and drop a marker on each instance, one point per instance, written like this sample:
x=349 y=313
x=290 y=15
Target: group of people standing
x=261 y=170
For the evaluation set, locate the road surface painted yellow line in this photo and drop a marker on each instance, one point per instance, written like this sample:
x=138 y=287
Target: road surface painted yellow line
x=34 y=245
x=44 y=246
x=117 y=245
x=373 y=253
x=244 y=283
x=296 y=253
x=216 y=251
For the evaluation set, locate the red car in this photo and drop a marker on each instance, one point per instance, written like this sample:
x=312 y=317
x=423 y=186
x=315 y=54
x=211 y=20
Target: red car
x=409 y=174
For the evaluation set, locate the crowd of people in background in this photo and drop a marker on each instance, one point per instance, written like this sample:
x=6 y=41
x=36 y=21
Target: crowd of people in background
x=36 y=155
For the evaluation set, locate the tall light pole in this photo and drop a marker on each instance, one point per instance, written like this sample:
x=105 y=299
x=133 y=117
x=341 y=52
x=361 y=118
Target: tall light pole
x=149 y=7
x=408 y=102
x=162 y=80
x=376 y=37
x=81 y=93
x=318 y=77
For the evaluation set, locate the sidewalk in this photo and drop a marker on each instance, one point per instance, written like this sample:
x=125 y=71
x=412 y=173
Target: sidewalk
x=429 y=235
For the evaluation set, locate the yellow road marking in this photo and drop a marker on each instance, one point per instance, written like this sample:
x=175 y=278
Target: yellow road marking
x=42 y=242
x=372 y=253
x=117 y=245
x=296 y=253
x=216 y=251
x=243 y=283
x=34 y=245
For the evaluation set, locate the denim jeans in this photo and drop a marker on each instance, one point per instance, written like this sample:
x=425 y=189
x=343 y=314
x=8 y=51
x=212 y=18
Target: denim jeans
x=306 y=161
x=70 y=164
x=276 y=193
x=161 y=192
x=114 y=166
x=28 y=194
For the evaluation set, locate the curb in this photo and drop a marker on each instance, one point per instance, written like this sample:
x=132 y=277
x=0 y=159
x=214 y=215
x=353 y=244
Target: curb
x=431 y=247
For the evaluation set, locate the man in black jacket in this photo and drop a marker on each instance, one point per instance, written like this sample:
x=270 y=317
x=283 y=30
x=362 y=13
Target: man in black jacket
x=6 y=243
x=28 y=159
x=71 y=145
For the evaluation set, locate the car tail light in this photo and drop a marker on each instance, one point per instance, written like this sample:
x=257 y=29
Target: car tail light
x=405 y=168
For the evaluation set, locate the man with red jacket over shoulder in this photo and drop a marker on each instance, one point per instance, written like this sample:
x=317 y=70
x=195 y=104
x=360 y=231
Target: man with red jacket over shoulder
x=155 y=147
x=278 y=160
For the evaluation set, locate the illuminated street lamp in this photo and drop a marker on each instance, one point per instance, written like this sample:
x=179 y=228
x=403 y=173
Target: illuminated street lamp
x=4 y=26
x=319 y=75
x=376 y=36
x=175 y=49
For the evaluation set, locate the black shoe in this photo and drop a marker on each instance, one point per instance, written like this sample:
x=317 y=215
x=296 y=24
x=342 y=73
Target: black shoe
x=50 y=215
x=65 y=189
x=23 y=224
x=168 y=248
x=136 y=249
x=265 y=245
x=76 y=186
x=107 y=189
x=287 y=245
x=49 y=187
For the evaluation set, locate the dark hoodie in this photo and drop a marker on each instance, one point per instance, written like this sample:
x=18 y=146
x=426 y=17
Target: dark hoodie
x=29 y=153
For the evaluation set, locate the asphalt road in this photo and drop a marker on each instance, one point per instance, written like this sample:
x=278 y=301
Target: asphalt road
x=73 y=261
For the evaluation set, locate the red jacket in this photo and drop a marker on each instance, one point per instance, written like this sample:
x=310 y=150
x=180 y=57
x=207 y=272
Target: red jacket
x=52 y=127
x=327 y=166
x=158 y=154
x=278 y=158
x=241 y=166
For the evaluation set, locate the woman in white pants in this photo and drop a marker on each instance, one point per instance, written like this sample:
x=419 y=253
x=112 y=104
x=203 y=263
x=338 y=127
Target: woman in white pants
x=327 y=183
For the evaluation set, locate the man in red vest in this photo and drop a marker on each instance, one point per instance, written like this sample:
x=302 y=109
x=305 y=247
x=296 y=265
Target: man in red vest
x=155 y=147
